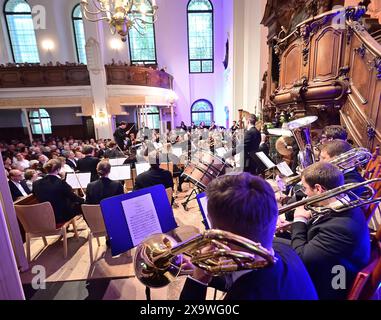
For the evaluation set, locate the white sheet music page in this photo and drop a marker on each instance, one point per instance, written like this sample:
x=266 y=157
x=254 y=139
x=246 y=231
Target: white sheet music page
x=285 y=169
x=142 y=167
x=177 y=152
x=267 y=162
x=141 y=216
x=120 y=173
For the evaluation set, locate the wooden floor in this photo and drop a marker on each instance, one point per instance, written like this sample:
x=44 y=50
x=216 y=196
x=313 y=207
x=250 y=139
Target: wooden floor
x=123 y=285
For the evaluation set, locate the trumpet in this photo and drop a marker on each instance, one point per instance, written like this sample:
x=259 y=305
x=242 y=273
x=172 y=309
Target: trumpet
x=367 y=197
x=158 y=260
x=348 y=161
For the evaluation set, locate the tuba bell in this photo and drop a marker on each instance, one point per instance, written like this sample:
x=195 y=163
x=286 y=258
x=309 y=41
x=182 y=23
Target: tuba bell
x=158 y=260
x=301 y=130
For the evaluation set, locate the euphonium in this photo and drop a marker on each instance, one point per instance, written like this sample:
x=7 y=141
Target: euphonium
x=348 y=161
x=158 y=260
x=352 y=202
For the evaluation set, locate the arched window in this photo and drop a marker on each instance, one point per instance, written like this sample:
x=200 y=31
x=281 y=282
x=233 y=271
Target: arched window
x=142 y=43
x=40 y=121
x=79 y=34
x=202 y=111
x=200 y=36
x=153 y=117
x=18 y=16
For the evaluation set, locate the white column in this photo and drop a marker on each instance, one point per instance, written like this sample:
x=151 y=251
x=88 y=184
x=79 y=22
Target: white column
x=11 y=220
x=26 y=117
x=145 y=115
x=96 y=66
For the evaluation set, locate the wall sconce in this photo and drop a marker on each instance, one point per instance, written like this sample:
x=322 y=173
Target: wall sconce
x=116 y=44
x=100 y=118
x=47 y=45
x=172 y=97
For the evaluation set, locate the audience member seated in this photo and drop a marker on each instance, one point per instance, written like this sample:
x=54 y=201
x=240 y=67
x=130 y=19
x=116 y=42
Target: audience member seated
x=70 y=159
x=104 y=187
x=245 y=205
x=330 y=241
x=155 y=175
x=89 y=162
x=17 y=184
x=30 y=177
x=66 y=204
x=21 y=161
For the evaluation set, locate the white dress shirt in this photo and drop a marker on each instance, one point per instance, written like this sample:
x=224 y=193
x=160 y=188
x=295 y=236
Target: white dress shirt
x=19 y=186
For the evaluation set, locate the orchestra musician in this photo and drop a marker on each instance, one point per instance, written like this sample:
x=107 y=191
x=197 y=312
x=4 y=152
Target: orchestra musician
x=234 y=127
x=66 y=204
x=333 y=132
x=331 y=240
x=245 y=205
x=183 y=126
x=213 y=126
x=120 y=135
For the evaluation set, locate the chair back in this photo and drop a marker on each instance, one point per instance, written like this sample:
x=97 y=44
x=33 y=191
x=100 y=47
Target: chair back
x=36 y=218
x=94 y=218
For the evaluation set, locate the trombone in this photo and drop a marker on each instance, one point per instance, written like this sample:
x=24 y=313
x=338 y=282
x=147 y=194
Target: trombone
x=158 y=260
x=348 y=161
x=366 y=198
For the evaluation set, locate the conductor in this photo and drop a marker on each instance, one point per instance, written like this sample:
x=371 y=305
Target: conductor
x=120 y=134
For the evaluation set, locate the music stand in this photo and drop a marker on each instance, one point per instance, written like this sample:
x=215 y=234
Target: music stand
x=118 y=210
x=267 y=162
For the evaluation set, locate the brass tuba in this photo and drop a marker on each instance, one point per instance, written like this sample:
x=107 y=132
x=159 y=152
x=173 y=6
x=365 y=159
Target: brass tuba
x=158 y=260
x=347 y=161
x=301 y=130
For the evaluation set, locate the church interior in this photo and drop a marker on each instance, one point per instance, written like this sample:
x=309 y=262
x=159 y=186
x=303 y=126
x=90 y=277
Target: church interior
x=136 y=135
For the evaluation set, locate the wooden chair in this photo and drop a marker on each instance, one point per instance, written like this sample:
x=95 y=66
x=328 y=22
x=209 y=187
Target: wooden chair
x=94 y=219
x=169 y=194
x=368 y=280
x=38 y=220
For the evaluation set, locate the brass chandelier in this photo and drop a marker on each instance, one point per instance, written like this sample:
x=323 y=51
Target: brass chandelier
x=121 y=15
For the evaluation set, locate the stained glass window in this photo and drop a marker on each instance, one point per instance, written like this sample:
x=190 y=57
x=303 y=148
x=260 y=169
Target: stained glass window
x=200 y=36
x=142 y=40
x=18 y=16
x=79 y=34
x=202 y=111
x=40 y=122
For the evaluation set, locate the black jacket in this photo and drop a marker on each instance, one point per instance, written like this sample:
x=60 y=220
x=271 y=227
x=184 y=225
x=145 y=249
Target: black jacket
x=340 y=239
x=72 y=164
x=287 y=279
x=61 y=196
x=15 y=192
x=119 y=136
x=89 y=164
x=101 y=189
x=153 y=177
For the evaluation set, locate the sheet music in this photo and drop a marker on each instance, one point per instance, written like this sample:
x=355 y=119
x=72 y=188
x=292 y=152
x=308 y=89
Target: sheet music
x=204 y=209
x=221 y=152
x=141 y=216
x=285 y=169
x=117 y=161
x=266 y=161
x=142 y=167
x=83 y=177
x=120 y=173
x=177 y=152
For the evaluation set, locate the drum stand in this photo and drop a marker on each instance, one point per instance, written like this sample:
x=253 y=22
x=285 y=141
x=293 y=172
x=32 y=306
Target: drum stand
x=195 y=191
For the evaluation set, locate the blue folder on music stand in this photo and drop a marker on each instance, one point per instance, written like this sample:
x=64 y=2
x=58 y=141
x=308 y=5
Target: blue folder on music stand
x=202 y=203
x=116 y=222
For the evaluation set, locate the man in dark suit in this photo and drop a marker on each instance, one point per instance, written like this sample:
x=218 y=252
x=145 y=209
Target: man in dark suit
x=245 y=205
x=252 y=140
x=104 y=187
x=70 y=160
x=155 y=175
x=89 y=162
x=334 y=247
x=65 y=203
x=120 y=135
x=334 y=148
x=17 y=185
